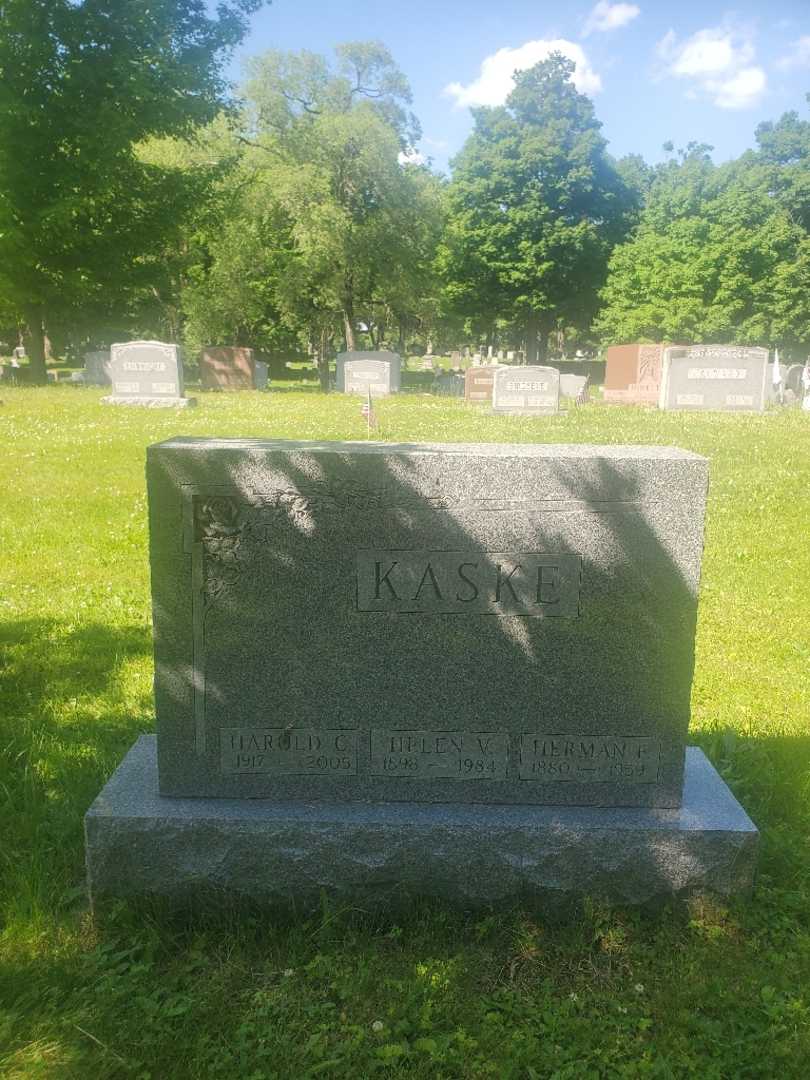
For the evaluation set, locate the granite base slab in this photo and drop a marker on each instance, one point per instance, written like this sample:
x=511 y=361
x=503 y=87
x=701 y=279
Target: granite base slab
x=141 y=844
x=150 y=402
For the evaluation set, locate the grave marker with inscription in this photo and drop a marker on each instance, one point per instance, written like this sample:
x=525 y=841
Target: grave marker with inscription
x=730 y=378
x=478 y=383
x=365 y=368
x=533 y=390
x=359 y=648
x=147 y=373
x=633 y=374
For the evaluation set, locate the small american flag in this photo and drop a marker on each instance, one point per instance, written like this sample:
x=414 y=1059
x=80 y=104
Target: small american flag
x=368 y=411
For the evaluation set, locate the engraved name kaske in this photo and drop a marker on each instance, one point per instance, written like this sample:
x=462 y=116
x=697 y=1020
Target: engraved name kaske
x=464 y=582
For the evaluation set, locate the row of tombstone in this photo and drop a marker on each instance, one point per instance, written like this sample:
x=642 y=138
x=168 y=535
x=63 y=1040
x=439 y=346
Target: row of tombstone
x=731 y=378
x=151 y=372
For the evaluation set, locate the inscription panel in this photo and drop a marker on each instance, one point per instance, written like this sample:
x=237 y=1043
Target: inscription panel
x=714 y=377
x=589 y=759
x=288 y=752
x=439 y=755
x=478 y=582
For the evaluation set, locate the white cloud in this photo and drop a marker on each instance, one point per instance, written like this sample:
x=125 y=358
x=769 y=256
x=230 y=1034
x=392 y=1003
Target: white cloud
x=411 y=156
x=717 y=62
x=496 y=78
x=799 y=55
x=605 y=17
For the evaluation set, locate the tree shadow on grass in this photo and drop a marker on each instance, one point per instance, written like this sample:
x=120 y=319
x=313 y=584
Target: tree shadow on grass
x=65 y=722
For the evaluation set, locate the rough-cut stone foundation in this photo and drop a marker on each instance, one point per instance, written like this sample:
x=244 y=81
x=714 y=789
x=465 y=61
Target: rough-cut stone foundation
x=140 y=843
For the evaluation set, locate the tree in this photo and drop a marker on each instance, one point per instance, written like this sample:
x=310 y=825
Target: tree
x=720 y=254
x=536 y=206
x=342 y=225
x=81 y=84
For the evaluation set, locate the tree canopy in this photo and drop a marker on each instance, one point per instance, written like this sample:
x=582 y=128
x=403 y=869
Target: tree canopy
x=81 y=83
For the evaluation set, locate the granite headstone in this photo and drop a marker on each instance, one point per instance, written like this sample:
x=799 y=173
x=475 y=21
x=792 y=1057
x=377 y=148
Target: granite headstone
x=493 y=623
x=533 y=390
x=379 y=642
x=97 y=368
x=479 y=382
x=364 y=376
x=391 y=359
x=731 y=378
x=147 y=373
x=633 y=374
x=227 y=368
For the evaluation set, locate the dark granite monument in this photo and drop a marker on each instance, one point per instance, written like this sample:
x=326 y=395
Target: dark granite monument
x=479 y=382
x=533 y=390
x=451 y=670
x=227 y=368
x=633 y=374
x=730 y=378
x=147 y=373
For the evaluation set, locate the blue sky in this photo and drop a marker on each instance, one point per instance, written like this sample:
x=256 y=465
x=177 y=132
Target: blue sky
x=655 y=70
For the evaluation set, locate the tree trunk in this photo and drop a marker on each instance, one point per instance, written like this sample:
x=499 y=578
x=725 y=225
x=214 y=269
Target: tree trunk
x=348 y=327
x=401 y=339
x=323 y=362
x=35 y=347
x=532 y=327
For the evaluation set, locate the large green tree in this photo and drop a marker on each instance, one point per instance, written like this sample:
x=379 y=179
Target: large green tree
x=535 y=208
x=341 y=226
x=722 y=253
x=82 y=82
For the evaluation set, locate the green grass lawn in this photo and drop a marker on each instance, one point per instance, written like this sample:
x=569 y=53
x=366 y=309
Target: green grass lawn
x=708 y=991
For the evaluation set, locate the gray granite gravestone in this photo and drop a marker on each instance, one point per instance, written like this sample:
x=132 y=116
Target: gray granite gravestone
x=448 y=384
x=262 y=373
x=392 y=379
x=147 y=373
x=385 y=670
x=97 y=368
x=529 y=391
x=366 y=376
x=731 y=378
x=573 y=386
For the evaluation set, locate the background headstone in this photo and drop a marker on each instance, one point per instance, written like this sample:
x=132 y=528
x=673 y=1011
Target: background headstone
x=364 y=375
x=449 y=384
x=147 y=373
x=633 y=374
x=478 y=383
x=227 y=368
x=574 y=386
x=528 y=390
x=731 y=378
x=261 y=374
x=393 y=360
x=97 y=368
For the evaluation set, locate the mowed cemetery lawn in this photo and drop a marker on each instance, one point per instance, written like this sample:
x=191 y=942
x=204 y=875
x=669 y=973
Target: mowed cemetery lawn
x=707 y=990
